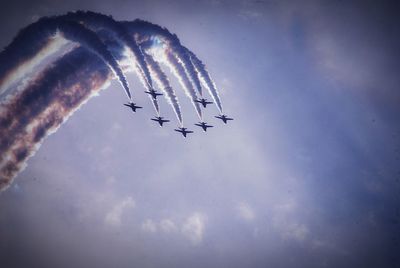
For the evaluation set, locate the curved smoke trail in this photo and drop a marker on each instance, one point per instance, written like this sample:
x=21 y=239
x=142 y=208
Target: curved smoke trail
x=206 y=78
x=146 y=29
x=48 y=96
x=39 y=33
x=46 y=103
x=96 y=21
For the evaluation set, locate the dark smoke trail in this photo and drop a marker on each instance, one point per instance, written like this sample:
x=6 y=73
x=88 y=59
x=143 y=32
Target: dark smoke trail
x=208 y=82
x=163 y=83
x=32 y=39
x=41 y=108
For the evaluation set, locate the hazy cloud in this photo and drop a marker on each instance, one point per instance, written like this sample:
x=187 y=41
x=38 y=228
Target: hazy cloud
x=193 y=228
x=167 y=226
x=113 y=217
x=149 y=226
x=245 y=212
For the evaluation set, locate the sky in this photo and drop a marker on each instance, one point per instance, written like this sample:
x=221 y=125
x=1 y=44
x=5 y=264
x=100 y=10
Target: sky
x=307 y=174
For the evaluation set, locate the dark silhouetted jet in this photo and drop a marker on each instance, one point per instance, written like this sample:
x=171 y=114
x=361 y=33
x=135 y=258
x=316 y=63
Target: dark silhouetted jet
x=153 y=93
x=224 y=118
x=183 y=131
x=203 y=125
x=160 y=120
x=204 y=102
x=133 y=106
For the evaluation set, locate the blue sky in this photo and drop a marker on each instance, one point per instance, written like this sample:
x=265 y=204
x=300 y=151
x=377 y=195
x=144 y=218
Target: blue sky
x=306 y=176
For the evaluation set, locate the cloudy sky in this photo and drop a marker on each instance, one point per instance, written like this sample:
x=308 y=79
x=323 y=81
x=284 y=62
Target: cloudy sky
x=306 y=176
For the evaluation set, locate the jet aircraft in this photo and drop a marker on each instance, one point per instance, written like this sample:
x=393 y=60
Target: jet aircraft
x=183 y=131
x=133 y=106
x=204 y=102
x=203 y=125
x=153 y=93
x=160 y=120
x=224 y=118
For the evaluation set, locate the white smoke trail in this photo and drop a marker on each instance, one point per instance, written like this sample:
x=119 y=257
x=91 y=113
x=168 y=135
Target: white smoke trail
x=189 y=68
x=146 y=85
x=163 y=83
x=176 y=68
x=206 y=79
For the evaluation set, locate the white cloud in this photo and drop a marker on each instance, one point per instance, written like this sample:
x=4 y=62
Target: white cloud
x=113 y=217
x=149 y=226
x=193 y=228
x=245 y=211
x=167 y=226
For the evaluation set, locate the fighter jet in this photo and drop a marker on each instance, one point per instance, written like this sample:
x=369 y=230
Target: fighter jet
x=160 y=120
x=153 y=93
x=204 y=102
x=133 y=106
x=183 y=131
x=203 y=125
x=224 y=118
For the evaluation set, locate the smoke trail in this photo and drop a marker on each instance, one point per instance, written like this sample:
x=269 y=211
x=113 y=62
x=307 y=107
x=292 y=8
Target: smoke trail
x=34 y=37
x=97 y=21
x=10 y=74
x=206 y=78
x=155 y=105
x=173 y=63
x=163 y=83
x=44 y=105
x=147 y=29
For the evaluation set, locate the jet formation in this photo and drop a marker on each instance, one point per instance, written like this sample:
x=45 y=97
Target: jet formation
x=184 y=131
